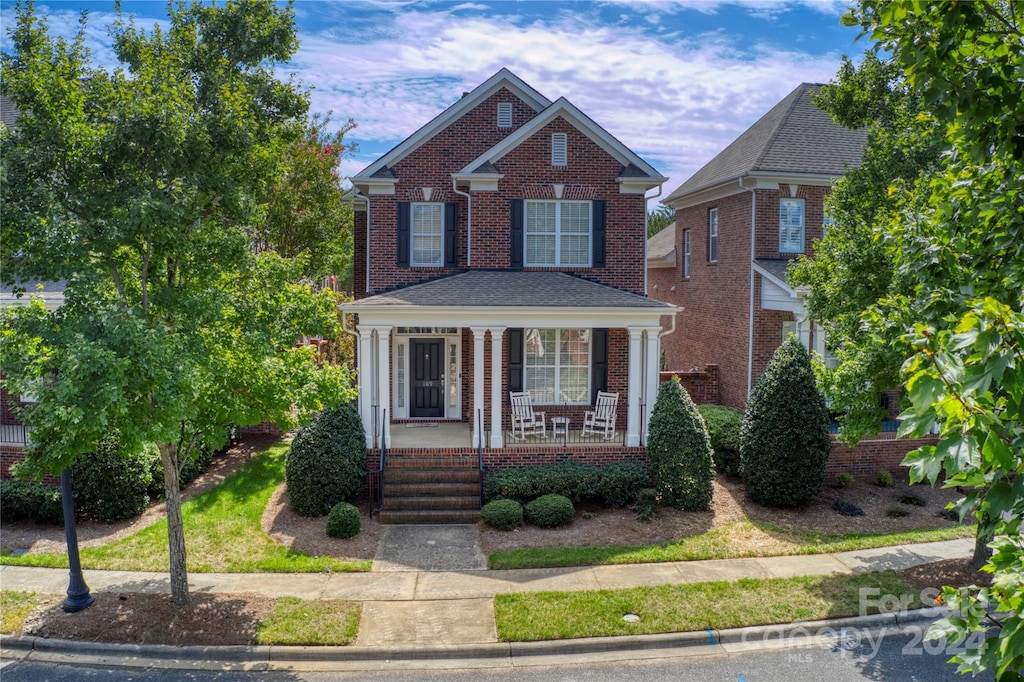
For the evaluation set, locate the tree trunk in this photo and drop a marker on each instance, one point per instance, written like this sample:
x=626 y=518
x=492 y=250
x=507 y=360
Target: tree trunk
x=982 y=552
x=175 y=525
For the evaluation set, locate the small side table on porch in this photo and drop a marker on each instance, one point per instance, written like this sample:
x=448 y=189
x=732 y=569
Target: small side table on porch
x=559 y=425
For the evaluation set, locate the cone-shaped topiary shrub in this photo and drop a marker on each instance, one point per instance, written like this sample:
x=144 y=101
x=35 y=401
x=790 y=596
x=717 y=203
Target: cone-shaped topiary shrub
x=343 y=521
x=784 y=442
x=326 y=462
x=679 y=450
x=502 y=514
x=548 y=511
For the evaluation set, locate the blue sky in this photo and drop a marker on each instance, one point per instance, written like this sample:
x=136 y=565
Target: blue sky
x=674 y=81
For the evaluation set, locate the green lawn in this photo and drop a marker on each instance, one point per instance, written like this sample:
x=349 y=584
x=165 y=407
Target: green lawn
x=686 y=608
x=727 y=542
x=15 y=607
x=222 y=532
x=325 y=622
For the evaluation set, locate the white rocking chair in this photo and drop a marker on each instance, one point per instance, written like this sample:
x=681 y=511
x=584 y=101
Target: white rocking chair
x=601 y=420
x=526 y=422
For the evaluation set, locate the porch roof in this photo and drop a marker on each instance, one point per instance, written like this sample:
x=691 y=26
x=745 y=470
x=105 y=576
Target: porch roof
x=509 y=289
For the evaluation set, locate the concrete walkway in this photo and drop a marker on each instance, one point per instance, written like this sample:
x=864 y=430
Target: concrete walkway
x=417 y=598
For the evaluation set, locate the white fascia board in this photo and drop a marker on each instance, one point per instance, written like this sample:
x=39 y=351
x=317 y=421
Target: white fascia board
x=638 y=185
x=461 y=316
x=479 y=182
x=565 y=109
x=746 y=182
x=773 y=180
x=502 y=79
x=375 y=186
x=713 y=193
x=781 y=283
x=667 y=261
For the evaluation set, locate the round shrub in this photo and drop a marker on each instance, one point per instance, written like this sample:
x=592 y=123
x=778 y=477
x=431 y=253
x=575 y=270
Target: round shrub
x=679 y=450
x=343 y=521
x=27 y=501
x=621 y=482
x=883 y=479
x=784 y=442
x=326 y=463
x=110 y=484
x=549 y=511
x=723 y=424
x=844 y=480
x=502 y=514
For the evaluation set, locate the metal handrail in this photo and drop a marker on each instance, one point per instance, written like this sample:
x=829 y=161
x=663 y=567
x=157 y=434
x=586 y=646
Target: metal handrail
x=383 y=457
x=480 y=450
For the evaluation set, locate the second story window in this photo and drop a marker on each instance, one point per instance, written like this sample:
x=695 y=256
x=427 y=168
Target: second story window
x=791 y=225
x=559 y=150
x=557 y=233
x=712 y=235
x=427 y=234
x=686 y=254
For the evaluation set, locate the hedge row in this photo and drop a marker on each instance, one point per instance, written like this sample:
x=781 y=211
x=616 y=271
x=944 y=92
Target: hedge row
x=614 y=485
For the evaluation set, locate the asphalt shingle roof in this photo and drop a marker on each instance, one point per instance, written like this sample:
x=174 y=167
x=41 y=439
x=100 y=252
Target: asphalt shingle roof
x=663 y=244
x=51 y=293
x=795 y=136
x=8 y=112
x=778 y=267
x=509 y=288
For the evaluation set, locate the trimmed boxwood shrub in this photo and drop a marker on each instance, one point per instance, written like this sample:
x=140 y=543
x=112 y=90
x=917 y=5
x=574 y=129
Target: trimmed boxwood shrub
x=723 y=424
x=502 y=514
x=784 y=443
x=343 y=521
x=679 y=450
x=111 y=484
x=27 y=501
x=326 y=463
x=574 y=480
x=621 y=482
x=549 y=511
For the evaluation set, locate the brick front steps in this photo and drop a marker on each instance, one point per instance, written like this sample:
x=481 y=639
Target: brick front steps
x=430 y=488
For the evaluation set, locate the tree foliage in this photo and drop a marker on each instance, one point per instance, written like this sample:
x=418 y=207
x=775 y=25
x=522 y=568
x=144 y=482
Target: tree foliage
x=784 y=441
x=137 y=186
x=953 y=305
x=659 y=219
x=679 y=450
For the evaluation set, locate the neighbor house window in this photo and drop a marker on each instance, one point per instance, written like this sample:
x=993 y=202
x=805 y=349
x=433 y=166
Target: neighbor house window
x=826 y=224
x=559 y=149
x=557 y=233
x=712 y=235
x=556 y=367
x=504 y=115
x=821 y=347
x=427 y=233
x=791 y=225
x=686 y=254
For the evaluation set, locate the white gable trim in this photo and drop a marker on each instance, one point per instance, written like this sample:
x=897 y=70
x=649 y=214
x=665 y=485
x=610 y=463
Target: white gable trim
x=745 y=183
x=502 y=79
x=576 y=118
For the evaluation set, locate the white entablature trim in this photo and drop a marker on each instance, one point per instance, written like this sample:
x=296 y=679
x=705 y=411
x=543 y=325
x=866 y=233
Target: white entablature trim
x=479 y=182
x=745 y=183
x=542 y=318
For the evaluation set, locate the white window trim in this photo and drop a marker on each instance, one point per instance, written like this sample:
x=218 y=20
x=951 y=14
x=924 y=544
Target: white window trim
x=504 y=114
x=558 y=366
x=558 y=235
x=713 y=235
x=559 y=149
x=686 y=254
x=412 y=236
x=786 y=245
x=402 y=338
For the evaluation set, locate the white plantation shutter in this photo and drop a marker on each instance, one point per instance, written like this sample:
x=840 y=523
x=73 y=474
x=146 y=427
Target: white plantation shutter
x=791 y=225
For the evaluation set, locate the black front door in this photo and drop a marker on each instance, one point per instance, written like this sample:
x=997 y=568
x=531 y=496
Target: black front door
x=427 y=385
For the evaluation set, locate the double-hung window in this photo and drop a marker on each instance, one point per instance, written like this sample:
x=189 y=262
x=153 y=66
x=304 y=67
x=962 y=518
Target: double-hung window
x=427 y=234
x=558 y=233
x=556 y=367
x=686 y=254
x=712 y=235
x=791 y=225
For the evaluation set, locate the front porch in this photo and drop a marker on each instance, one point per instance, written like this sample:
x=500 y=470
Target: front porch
x=448 y=435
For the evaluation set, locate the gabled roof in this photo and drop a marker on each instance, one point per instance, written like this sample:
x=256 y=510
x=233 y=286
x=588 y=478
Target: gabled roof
x=661 y=248
x=502 y=79
x=794 y=138
x=633 y=165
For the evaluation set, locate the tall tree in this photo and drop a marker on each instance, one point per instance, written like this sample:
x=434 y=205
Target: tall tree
x=953 y=306
x=659 y=219
x=137 y=187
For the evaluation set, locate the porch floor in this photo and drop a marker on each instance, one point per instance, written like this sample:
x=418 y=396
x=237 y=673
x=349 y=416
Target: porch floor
x=460 y=435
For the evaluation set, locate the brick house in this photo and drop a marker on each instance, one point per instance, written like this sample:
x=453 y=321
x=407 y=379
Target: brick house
x=501 y=248
x=740 y=221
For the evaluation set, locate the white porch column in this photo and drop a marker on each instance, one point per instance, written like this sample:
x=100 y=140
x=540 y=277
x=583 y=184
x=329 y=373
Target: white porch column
x=384 y=382
x=478 y=382
x=365 y=379
x=496 y=366
x=635 y=386
x=653 y=367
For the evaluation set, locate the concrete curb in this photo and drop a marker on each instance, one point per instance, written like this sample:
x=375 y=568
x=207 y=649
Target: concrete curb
x=483 y=655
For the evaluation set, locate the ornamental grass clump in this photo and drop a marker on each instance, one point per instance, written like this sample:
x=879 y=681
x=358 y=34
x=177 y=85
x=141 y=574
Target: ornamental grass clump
x=679 y=450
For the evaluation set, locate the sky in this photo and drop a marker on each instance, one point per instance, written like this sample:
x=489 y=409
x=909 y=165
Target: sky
x=674 y=81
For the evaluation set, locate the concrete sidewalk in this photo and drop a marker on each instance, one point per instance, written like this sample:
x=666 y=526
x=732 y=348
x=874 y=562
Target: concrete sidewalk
x=455 y=607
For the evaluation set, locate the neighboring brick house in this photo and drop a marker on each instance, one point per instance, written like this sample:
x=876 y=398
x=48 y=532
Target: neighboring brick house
x=740 y=221
x=501 y=248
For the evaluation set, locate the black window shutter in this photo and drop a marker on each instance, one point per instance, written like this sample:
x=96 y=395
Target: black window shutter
x=516 y=262
x=403 y=234
x=515 y=360
x=598 y=362
x=598 y=236
x=449 y=233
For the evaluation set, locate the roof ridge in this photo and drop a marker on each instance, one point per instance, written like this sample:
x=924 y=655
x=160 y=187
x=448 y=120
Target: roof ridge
x=797 y=94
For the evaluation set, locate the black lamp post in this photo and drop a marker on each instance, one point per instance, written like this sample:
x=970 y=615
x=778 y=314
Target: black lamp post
x=78 y=592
